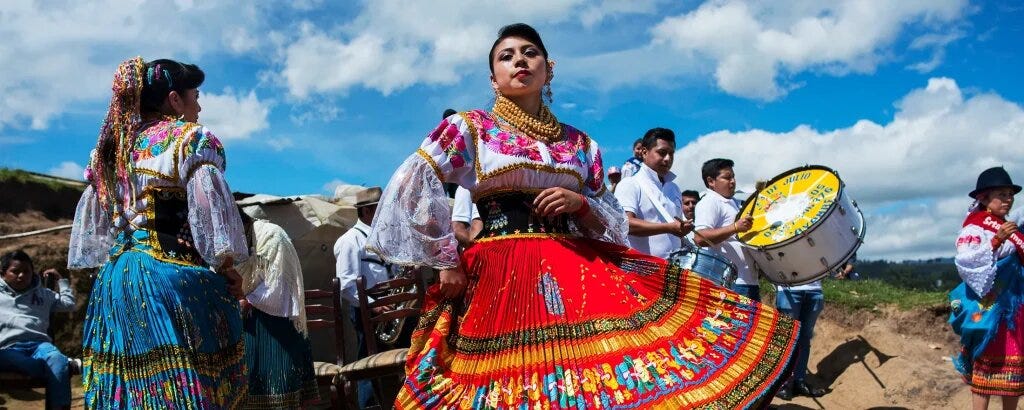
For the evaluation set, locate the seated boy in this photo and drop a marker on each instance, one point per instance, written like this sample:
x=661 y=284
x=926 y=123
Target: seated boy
x=25 y=306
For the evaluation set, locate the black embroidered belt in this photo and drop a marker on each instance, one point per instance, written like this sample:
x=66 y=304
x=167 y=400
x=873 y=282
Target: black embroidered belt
x=512 y=214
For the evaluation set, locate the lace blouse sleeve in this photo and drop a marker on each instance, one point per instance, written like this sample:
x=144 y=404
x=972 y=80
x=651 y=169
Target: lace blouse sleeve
x=217 y=230
x=612 y=225
x=413 y=224
x=976 y=260
x=91 y=234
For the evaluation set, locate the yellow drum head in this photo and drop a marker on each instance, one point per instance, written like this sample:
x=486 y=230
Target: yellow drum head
x=790 y=205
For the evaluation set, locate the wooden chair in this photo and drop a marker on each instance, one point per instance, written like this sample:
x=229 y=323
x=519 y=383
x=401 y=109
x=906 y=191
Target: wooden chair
x=403 y=305
x=329 y=315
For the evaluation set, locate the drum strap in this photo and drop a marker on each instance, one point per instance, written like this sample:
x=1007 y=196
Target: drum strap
x=387 y=266
x=991 y=223
x=655 y=196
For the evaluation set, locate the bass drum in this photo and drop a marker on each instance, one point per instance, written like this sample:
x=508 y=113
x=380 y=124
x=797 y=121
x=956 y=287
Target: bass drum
x=805 y=226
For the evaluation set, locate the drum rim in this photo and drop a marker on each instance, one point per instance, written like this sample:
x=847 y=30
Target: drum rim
x=726 y=279
x=832 y=207
x=820 y=274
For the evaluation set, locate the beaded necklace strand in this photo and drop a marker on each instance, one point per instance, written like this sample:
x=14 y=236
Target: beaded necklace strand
x=544 y=127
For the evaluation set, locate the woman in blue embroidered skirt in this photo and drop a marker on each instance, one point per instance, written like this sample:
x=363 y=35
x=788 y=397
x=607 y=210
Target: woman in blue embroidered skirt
x=277 y=350
x=162 y=328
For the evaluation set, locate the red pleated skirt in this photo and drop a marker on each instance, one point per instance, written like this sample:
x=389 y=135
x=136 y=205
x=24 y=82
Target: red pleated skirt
x=1000 y=368
x=562 y=322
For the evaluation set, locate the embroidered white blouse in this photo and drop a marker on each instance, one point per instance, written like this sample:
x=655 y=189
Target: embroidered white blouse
x=175 y=155
x=484 y=154
x=975 y=258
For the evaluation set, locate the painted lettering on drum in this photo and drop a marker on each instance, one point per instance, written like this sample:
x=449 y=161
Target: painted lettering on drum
x=798 y=177
x=819 y=186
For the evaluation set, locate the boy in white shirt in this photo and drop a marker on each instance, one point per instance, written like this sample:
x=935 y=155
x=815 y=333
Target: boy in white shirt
x=717 y=222
x=651 y=199
x=466 y=222
x=633 y=164
x=690 y=199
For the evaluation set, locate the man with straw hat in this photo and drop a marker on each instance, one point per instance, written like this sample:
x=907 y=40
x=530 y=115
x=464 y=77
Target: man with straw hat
x=354 y=261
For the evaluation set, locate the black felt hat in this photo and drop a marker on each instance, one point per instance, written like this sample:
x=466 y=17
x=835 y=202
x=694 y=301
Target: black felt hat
x=995 y=177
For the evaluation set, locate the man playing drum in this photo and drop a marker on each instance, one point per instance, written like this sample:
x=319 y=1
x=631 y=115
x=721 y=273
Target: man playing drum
x=652 y=200
x=717 y=222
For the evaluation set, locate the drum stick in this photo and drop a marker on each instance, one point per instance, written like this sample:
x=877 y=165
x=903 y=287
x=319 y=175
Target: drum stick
x=753 y=206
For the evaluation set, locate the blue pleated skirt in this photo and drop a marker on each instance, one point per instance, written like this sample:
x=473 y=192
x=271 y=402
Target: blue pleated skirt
x=162 y=335
x=280 y=363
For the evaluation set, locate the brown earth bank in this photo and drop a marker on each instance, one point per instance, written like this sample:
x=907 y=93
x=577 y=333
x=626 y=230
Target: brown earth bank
x=883 y=359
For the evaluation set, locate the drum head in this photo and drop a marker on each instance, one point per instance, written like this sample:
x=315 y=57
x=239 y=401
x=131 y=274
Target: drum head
x=790 y=204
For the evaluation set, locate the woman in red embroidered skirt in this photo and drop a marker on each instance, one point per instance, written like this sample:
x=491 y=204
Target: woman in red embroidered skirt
x=558 y=313
x=986 y=307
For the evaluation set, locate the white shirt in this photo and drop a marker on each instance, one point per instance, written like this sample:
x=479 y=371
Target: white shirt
x=464 y=209
x=353 y=261
x=630 y=168
x=633 y=198
x=816 y=285
x=715 y=211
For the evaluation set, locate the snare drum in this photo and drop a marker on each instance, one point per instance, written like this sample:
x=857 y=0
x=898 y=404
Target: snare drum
x=805 y=226
x=708 y=263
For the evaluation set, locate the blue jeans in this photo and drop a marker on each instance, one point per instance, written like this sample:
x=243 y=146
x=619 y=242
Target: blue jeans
x=751 y=291
x=802 y=305
x=364 y=388
x=40 y=360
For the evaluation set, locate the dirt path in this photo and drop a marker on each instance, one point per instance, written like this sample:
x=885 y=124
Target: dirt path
x=884 y=360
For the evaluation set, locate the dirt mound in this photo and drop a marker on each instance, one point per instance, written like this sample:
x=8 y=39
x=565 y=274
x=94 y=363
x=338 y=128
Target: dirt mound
x=883 y=359
x=53 y=197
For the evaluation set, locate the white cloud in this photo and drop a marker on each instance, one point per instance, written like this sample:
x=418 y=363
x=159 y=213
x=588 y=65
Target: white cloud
x=55 y=56
x=337 y=188
x=280 y=144
x=234 y=116
x=753 y=44
x=394 y=44
x=652 y=65
x=937 y=43
x=930 y=153
x=67 y=169
x=240 y=40
x=14 y=140
x=315 y=109
x=598 y=12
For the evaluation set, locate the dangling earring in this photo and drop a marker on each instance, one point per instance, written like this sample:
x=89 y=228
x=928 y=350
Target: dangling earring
x=547 y=85
x=181 y=117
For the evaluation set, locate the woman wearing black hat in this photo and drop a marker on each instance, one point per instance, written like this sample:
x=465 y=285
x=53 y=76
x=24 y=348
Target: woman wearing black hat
x=986 y=307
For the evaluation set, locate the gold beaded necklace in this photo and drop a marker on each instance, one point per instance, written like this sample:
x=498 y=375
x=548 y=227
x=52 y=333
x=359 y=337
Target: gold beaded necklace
x=544 y=127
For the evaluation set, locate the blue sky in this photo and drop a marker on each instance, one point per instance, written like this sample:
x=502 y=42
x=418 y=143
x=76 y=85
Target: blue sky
x=909 y=101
